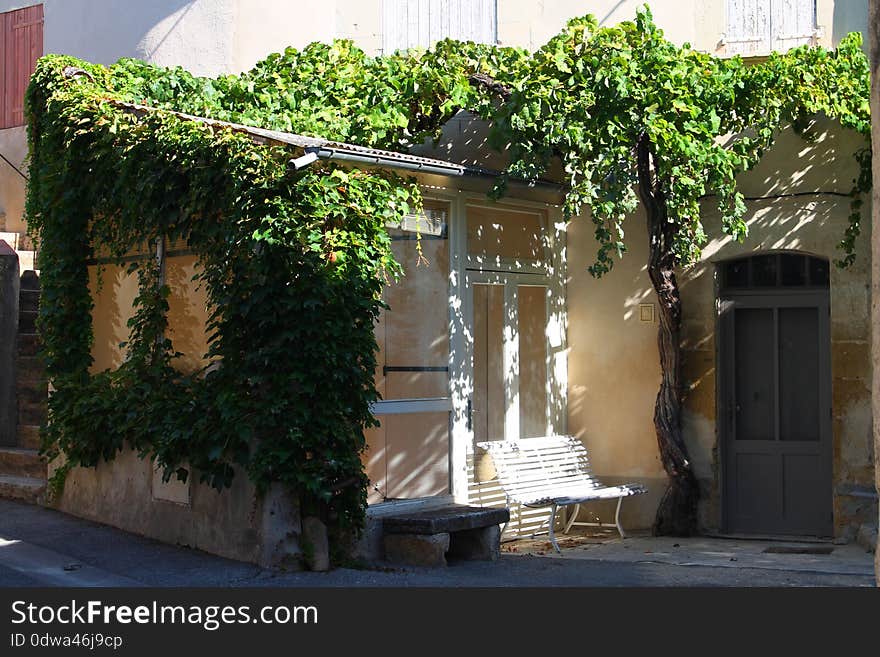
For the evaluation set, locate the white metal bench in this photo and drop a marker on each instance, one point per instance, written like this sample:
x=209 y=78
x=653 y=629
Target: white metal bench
x=553 y=471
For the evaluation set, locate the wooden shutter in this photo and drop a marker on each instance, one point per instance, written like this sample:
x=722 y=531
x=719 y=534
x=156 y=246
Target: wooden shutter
x=420 y=23
x=755 y=27
x=794 y=23
x=748 y=27
x=21 y=44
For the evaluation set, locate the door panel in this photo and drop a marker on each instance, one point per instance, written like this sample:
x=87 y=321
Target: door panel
x=754 y=374
x=775 y=389
x=487 y=412
x=757 y=491
x=532 y=324
x=798 y=374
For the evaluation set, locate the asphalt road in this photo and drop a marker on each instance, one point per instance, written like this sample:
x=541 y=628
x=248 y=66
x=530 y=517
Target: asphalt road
x=42 y=547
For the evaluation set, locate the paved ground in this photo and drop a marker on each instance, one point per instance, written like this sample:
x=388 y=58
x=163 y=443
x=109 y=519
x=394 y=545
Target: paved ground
x=41 y=547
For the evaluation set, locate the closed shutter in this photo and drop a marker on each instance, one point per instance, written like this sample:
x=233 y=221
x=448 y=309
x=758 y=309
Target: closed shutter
x=794 y=23
x=420 y=23
x=748 y=27
x=21 y=44
x=755 y=27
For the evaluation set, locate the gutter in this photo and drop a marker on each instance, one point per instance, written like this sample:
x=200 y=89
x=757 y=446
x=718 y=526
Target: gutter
x=313 y=153
x=344 y=155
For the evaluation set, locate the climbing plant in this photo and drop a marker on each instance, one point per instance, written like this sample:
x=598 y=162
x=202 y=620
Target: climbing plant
x=294 y=261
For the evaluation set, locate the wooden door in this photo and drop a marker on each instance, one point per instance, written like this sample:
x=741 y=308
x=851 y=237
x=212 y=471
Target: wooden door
x=775 y=410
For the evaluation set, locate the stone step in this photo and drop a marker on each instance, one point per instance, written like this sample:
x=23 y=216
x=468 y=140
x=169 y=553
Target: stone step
x=20 y=462
x=27 y=489
x=30 y=280
x=29 y=436
x=32 y=396
x=28 y=344
x=31 y=413
x=27 y=321
x=28 y=300
x=30 y=368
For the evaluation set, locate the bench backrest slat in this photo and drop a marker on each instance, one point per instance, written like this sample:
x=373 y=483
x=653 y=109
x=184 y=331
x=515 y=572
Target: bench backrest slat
x=530 y=466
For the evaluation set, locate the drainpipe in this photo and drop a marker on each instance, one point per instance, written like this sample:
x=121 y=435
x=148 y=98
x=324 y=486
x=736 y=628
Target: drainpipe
x=160 y=262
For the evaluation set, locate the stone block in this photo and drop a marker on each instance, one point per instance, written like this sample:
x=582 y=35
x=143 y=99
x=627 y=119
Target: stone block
x=482 y=544
x=417 y=549
x=315 y=546
x=279 y=529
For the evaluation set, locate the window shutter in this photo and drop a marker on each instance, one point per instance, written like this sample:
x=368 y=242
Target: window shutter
x=755 y=27
x=21 y=44
x=748 y=27
x=421 y=23
x=794 y=23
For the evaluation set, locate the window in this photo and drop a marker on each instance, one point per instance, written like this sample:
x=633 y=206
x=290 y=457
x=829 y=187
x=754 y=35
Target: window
x=421 y=23
x=755 y=27
x=774 y=270
x=21 y=44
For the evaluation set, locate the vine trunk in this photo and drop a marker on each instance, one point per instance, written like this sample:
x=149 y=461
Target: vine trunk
x=677 y=512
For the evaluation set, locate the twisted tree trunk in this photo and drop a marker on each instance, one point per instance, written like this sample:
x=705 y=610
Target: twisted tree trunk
x=677 y=513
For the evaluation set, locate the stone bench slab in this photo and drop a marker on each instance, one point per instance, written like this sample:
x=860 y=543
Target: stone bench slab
x=445 y=519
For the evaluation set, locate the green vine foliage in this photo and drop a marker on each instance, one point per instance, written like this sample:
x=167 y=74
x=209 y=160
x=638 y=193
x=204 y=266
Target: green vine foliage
x=294 y=262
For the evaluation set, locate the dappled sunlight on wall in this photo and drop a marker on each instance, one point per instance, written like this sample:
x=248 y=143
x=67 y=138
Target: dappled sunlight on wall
x=187 y=313
x=614 y=371
x=113 y=293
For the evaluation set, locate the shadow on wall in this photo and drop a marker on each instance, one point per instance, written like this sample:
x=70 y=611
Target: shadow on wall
x=153 y=31
x=850 y=16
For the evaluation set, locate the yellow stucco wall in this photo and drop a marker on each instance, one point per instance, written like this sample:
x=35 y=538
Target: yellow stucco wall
x=113 y=292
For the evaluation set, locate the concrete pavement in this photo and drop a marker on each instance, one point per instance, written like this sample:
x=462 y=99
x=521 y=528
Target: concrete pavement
x=42 y=547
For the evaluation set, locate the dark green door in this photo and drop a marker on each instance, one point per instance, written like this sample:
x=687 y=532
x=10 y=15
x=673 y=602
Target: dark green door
x=775 y=407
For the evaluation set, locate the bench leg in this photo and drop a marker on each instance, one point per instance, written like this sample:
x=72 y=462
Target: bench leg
x=617 y=518
x=552 y=530
x=574 y=515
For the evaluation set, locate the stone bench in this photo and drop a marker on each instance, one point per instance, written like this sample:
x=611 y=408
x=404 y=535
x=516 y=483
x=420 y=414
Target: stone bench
x=425 y=538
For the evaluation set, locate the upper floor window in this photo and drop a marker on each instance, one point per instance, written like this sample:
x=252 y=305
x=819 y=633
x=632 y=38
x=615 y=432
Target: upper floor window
x=21 y=44
x=755 y=27
x=421 y=23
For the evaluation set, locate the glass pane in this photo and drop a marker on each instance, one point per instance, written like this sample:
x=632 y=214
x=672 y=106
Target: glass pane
x=532 y=361
x=764 y=271
x=753 y=350
x=794 y=269
x=500 y=233
x=798 y=374
x=736 y=273
x=488 y=402
x=818 y=272
x=413 y=333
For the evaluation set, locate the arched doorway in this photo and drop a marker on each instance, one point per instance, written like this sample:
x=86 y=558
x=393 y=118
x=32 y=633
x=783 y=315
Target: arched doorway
x=774 y=403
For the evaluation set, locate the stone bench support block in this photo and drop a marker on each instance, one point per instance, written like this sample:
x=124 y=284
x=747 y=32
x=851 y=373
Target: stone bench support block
x=476 y=544
x=417 y=549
